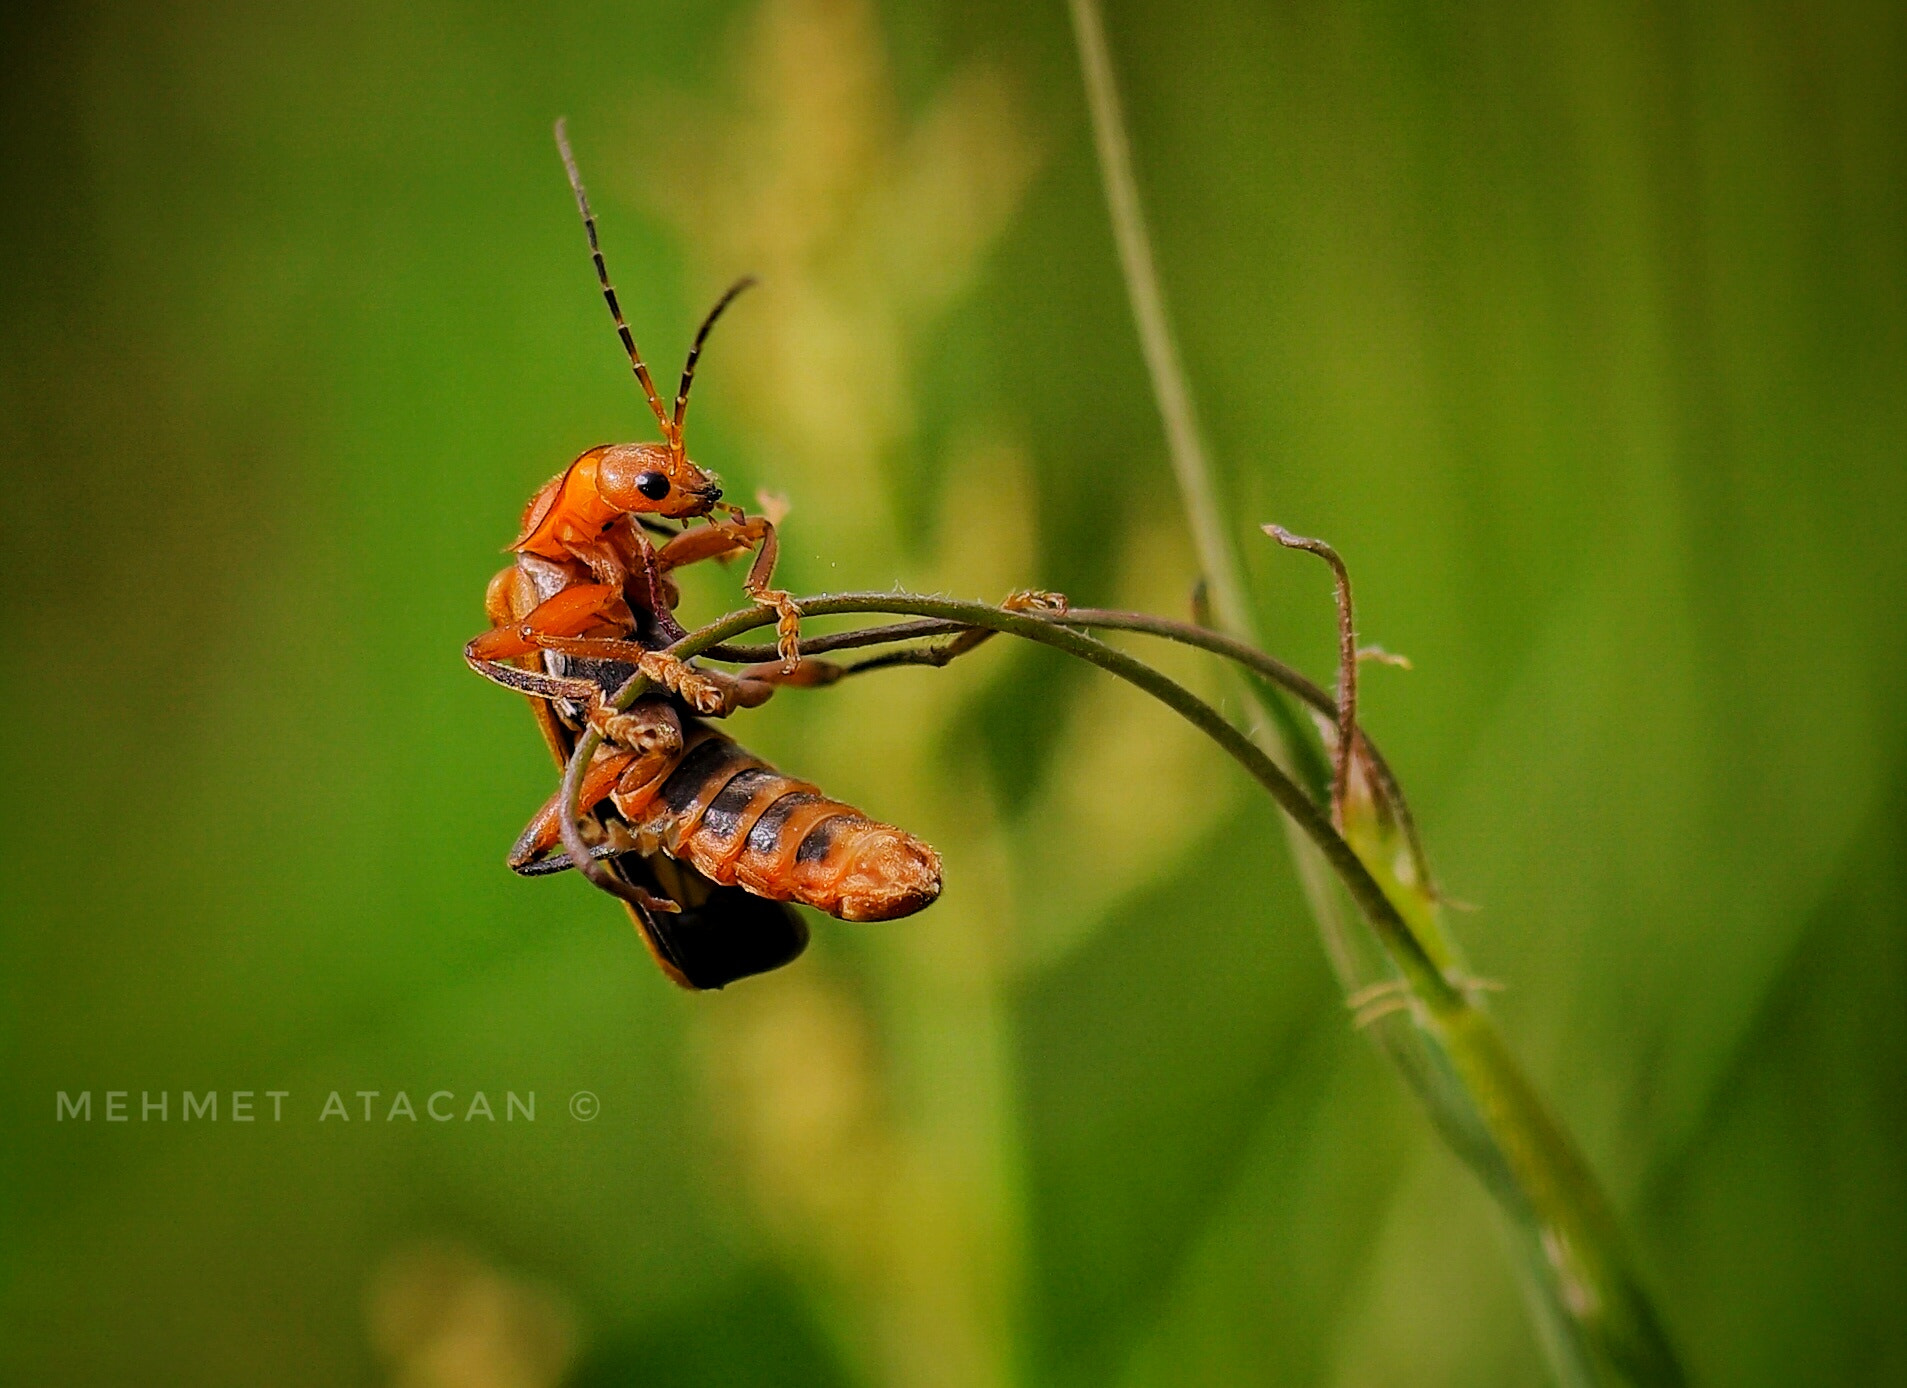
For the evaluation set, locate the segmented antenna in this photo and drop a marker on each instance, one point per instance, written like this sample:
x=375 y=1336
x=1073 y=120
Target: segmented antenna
x=609 y=290
x=695 y=351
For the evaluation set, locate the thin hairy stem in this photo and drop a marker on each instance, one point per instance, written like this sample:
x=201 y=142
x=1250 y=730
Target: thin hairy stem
x=569 y=823
x=1347 y=660
x=731 y=654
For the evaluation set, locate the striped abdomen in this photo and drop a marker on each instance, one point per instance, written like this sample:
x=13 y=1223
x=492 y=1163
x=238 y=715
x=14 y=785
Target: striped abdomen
x=741 y=822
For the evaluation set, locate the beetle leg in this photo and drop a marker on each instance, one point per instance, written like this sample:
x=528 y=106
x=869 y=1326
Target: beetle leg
x=652 y=730
x=638 y=747
x=543 y=832
x=756 y=585
x=534 y=683
x=725 y=537
x=756 y=684
x=576 y=621
x=581 y=609
x=1035 y=600
x=708 y=692
x=713 y=541
x=649 y=901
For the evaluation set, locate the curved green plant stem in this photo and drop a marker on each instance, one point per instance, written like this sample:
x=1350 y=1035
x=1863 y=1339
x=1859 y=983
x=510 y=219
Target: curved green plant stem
x=572 y=789
x=1597 y=1320
x=1593 y=1318
x=1281 y=675
x=1427 y=979
x=1248 y=657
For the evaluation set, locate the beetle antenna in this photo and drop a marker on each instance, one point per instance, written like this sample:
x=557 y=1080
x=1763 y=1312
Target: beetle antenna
x=695 y=350
x=609 y=290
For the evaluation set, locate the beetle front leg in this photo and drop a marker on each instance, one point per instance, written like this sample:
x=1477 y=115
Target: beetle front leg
x=728 y=536
x=756 y=585
x=786 y=614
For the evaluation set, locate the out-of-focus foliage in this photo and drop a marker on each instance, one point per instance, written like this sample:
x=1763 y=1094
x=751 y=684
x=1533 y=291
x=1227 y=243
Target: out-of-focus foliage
x=1580 y=331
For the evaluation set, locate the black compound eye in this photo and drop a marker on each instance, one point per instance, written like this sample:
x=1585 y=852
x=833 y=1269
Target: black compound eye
x=653 y=485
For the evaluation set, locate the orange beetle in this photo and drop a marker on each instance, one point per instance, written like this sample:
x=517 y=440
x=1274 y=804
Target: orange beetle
x=704 y=841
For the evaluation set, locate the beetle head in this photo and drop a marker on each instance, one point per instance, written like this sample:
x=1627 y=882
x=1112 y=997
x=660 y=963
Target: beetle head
x=653 y=479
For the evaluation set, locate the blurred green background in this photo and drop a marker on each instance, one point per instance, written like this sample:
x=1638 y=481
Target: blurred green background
x=1579 y=329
